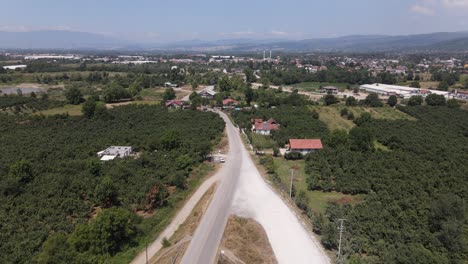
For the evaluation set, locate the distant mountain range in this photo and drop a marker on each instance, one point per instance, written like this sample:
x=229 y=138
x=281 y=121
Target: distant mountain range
x=435 y=42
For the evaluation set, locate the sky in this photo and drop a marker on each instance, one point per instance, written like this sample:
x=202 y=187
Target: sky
x=178 y=20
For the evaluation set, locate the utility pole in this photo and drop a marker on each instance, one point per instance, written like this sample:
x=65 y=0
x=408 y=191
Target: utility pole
x=290 y=188
x=146 y=252
x=341 y=228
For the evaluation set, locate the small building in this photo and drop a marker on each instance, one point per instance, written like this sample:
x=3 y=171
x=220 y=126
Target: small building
x=305 y=146
x=264 y=127
x=172 y=85
x=113 y=152
x=176 y=104
x=230 y=102
x=208 y=92
x=329 y=90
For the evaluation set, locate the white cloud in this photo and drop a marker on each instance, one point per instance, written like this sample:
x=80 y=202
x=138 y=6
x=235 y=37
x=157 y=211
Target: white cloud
x=23 y=28
x=279 y=33
x=455 y=3
x=420 y=9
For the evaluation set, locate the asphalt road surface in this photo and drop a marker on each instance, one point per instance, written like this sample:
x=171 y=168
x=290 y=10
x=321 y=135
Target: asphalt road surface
x=204 y=245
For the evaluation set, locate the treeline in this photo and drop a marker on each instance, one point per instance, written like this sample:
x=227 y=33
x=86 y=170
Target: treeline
x=52 y=182
x=18 y=104
x=293 y=75
x=414 y=210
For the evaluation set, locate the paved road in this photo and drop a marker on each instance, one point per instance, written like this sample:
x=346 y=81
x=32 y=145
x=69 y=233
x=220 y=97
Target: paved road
x=207 y=237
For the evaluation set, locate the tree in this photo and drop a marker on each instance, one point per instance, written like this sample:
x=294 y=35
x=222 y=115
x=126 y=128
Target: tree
x=373 y=100
x=361 y=139
x=88 y=108
x=170 y=140
x=351 y=101
x=249 y=94
x=107 y=234
x=194 y=84
x=415 y=84
x=250 y=76
x=364 y=119
x=56 y=249
x=135 y=88
x=338 y=138
x=169 y=94
x=330 y=99
x=21 y=171
x=443 y=86
x=415 y=100
x=392 y=100
x=73 y=95
x=435 y=100
x=105 y=192
x=114 y=93
x=453 y=103
x=329 y=236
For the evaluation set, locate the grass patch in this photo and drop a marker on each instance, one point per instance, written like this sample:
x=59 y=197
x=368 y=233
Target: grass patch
x=73 y=110
x=330 y=115
x=152 y=94
x=317 y=199
x=262 y=141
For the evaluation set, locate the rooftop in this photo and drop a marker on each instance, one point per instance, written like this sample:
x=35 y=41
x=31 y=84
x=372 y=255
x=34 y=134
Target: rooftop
x=305 y=144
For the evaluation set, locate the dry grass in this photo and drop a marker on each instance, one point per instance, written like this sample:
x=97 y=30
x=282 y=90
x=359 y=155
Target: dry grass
x=245 y=241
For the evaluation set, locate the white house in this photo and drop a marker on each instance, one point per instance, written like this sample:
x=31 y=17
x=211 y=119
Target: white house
x=113 y=152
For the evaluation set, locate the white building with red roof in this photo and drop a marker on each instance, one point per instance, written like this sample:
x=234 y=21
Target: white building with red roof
x=264 y=127
x=305 y=146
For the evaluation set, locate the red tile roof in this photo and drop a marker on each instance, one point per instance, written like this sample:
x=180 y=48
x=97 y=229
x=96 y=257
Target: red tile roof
x=305 y=144
x=230 y=101
x=174 y=102
x=265 y=125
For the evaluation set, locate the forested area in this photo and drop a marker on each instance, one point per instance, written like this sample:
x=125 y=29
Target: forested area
x=415 y=205
x=52 y=182
x=295 y=122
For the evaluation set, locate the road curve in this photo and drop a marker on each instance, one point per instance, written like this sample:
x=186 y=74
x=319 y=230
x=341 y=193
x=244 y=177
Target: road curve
x=204 y=245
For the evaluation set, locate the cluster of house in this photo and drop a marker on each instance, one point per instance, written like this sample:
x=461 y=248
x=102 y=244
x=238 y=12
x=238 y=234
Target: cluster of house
x=114 y=152
x=303 y=146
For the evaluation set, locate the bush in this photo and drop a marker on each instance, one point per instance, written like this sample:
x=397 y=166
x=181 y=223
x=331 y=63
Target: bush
x=293 y=155
x=392 y=100
x=453 y=103
x=373 y=100
x=330 y=99
x=351 y=101
x=415 y=100
x=435 y=100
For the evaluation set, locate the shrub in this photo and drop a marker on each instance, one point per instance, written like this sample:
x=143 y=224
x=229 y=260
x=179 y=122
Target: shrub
x=293 y=155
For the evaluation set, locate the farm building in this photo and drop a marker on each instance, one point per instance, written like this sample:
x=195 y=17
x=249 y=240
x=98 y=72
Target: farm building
x=174 y=104
x=402 y=91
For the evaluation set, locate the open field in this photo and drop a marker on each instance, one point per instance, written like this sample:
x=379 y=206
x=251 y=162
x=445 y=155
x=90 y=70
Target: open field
x=331 y=115
x=73 y=110
x=317 y=199
x=245 y=240
x=315 y=86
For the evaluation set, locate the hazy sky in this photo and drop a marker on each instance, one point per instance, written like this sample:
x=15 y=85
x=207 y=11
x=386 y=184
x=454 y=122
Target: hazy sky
x=167 y=20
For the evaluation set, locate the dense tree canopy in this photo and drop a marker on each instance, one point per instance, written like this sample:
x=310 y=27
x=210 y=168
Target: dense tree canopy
x=51 y=179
